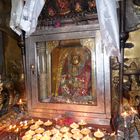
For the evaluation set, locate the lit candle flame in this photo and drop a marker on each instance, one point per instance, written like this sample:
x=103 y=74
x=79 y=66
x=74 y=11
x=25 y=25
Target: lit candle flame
x=17 y=130
x=25 y=121
x=39 y=122
x=21 y=124
x=25 y=124
x=32 y=120
x=124 y=114
x=20 y=102
x=82 y=122
x=112 y=134
x=10 y=127
x=14 y=126
x=133 y=110
x=99 y=134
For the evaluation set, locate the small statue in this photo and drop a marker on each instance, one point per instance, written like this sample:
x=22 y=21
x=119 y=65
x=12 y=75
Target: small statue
x=134 y=84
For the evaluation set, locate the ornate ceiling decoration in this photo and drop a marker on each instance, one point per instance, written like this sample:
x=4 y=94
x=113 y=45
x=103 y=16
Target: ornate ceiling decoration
x=59 y=13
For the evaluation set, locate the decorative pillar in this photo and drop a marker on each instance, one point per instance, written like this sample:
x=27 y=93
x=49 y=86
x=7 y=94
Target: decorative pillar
x=123 y=38
x=21 y=44
x=42 y=70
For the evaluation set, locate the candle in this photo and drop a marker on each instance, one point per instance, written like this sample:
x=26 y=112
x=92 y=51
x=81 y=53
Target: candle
x=21 y=124
x=21 y=105
x=125 y=115
x=87 y=138
x=82 y=122
x=25 y=121
x=30 y=132
x=74 y=125
x=77 y=136
x=14 y=126
x=20 y=102
x=39 y=130
x=37 y=136
x=68 y=101
x=85 y=131
x=10 y=128
x=17 y=130
x=133 y=111
x=75 y=130
x=31 y=121
x=99 y=134
x=64 y=129
x=39 y=122
x=27 y=137
x=67 y=134
x=33 y=127
x=113 y=136
x=48 y=123
x=25 y=126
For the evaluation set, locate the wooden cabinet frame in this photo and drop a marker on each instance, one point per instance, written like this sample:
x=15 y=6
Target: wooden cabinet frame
x=100 y=114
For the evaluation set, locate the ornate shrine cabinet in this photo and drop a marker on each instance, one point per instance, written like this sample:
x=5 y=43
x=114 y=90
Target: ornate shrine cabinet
x=68 y=71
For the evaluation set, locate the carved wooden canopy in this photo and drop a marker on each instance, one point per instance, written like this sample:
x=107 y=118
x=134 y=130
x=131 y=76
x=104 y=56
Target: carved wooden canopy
x=58 y=13
x=63 y=12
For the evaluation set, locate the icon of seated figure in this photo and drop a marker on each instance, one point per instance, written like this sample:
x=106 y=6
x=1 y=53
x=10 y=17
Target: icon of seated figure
x=76 y=74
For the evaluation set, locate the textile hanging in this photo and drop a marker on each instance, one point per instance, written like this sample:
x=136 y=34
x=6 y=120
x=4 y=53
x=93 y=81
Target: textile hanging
x=30 y=14
x=16 y=11
x=109 y=27
x=25 y=16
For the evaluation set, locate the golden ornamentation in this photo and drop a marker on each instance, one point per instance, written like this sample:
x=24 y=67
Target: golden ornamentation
x=89 y=43
x=51 y=45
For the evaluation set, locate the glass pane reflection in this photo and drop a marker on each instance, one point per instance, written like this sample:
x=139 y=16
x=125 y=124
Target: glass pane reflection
x=70 y=72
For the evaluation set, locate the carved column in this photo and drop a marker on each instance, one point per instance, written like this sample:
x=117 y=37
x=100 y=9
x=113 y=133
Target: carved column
x=123 y=37
x=42 y=70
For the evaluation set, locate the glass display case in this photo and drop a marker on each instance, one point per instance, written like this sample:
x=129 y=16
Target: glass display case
x=67 y=70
